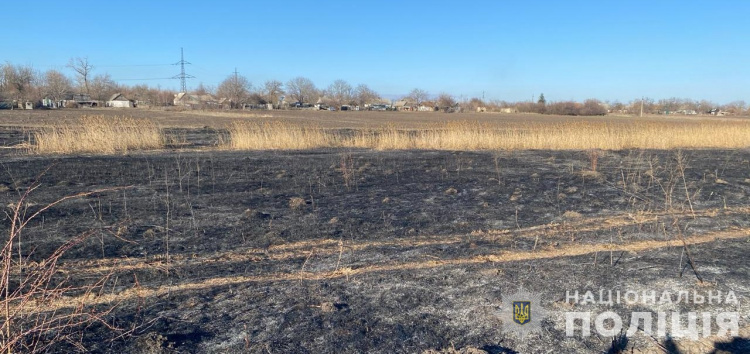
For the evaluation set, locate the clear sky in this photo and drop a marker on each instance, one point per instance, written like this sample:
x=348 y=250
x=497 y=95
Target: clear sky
x=509 y=50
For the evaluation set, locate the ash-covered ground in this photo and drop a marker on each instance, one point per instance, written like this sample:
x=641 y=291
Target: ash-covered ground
x=349 y=251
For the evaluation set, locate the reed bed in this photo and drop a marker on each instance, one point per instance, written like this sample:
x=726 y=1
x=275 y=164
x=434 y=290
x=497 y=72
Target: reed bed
x=572 y=135
x=276 y=135
x=98 y=134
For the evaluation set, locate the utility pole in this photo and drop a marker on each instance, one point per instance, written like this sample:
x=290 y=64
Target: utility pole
x=641 y=106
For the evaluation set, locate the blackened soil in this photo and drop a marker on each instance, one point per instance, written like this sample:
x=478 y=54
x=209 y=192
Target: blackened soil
x=336 y=251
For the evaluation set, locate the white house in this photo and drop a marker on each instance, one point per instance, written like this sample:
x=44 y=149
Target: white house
x=119 y=101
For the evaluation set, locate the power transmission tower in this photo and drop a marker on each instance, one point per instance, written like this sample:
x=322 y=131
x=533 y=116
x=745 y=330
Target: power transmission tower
x=182 y=76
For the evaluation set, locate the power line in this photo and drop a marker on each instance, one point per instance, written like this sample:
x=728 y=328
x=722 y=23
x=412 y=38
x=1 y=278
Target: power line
x=153 y=78
x=130 y=65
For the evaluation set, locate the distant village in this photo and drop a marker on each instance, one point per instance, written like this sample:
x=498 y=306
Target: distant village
x=206 y=101
x=21 y=87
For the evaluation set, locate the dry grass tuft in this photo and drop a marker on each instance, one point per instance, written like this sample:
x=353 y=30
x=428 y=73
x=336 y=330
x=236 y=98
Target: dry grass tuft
x=99 y=134
x=296 y=203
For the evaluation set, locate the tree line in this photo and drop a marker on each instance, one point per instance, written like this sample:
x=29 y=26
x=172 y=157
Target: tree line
x=23 y=83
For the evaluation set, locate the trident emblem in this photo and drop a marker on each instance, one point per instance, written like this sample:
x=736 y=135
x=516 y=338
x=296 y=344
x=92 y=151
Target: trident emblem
x=521 y=312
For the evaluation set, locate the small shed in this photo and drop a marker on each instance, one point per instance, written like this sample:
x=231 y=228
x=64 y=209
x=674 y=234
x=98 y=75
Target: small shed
x=119 y=101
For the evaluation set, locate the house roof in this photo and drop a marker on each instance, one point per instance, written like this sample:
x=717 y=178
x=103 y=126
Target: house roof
x=187 y=98
x=117 y=97
x=403 y=103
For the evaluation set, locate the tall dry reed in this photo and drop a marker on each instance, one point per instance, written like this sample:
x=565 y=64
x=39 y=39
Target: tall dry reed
x=275 y=135
x=572 y=135
x=99 y=134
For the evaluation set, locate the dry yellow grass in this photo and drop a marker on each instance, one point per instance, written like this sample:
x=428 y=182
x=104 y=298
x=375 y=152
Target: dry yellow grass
x=576 y=135
x=229 y=114
x=99 y=134
x=277 y=135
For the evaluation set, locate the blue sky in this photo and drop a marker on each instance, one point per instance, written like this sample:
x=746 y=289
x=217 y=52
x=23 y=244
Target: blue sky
x=509 y=50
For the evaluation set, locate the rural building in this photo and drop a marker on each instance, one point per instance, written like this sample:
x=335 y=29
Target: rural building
x=195 y=101
x=717 y=112
x=481 y=109
x=49 y=103
x=427 y=107
x=79 y=100
x=404 y=105
x=119 y=101
x=508 y=110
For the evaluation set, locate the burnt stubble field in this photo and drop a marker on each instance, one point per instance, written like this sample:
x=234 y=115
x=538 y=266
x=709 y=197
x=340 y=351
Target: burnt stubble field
x=347 y=251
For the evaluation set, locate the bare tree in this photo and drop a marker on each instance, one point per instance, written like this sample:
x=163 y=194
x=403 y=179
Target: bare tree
x=301 y=89
x=272 y=90
x=203 y=90
x=83 y=69
x=592 y=107
x=475 y=103
x=418 y=95
x=341 y=92
x=736 y=107
x=364 y=95
x=56 y=85
x=102 y=87
x=446 y=101
x=236 y=88
x=18 y=82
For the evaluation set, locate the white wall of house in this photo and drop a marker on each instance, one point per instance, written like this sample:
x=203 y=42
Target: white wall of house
x=120 y=104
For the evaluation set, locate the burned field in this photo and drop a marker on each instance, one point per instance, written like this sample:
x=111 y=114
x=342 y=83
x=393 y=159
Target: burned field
x=351 y=250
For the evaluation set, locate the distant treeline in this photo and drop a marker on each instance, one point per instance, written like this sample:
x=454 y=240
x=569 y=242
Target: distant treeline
x=22 y=83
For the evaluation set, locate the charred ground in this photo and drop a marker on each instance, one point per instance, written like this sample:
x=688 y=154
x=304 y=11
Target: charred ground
x=402 y=251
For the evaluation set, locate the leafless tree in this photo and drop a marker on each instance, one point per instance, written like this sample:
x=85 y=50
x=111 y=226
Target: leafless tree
x=705 y=106
x=340 y=92
x=56 y=85
x=592 y=107
x=418 y=95
x=736 y=107
x=364 y=95
x=236 y=88
x=83 y=69
x=446 y=101
x=301 y=89
x=204 y=90
x=475 y=103
x=102 y=87
x=272 y=90
x=17 y=82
